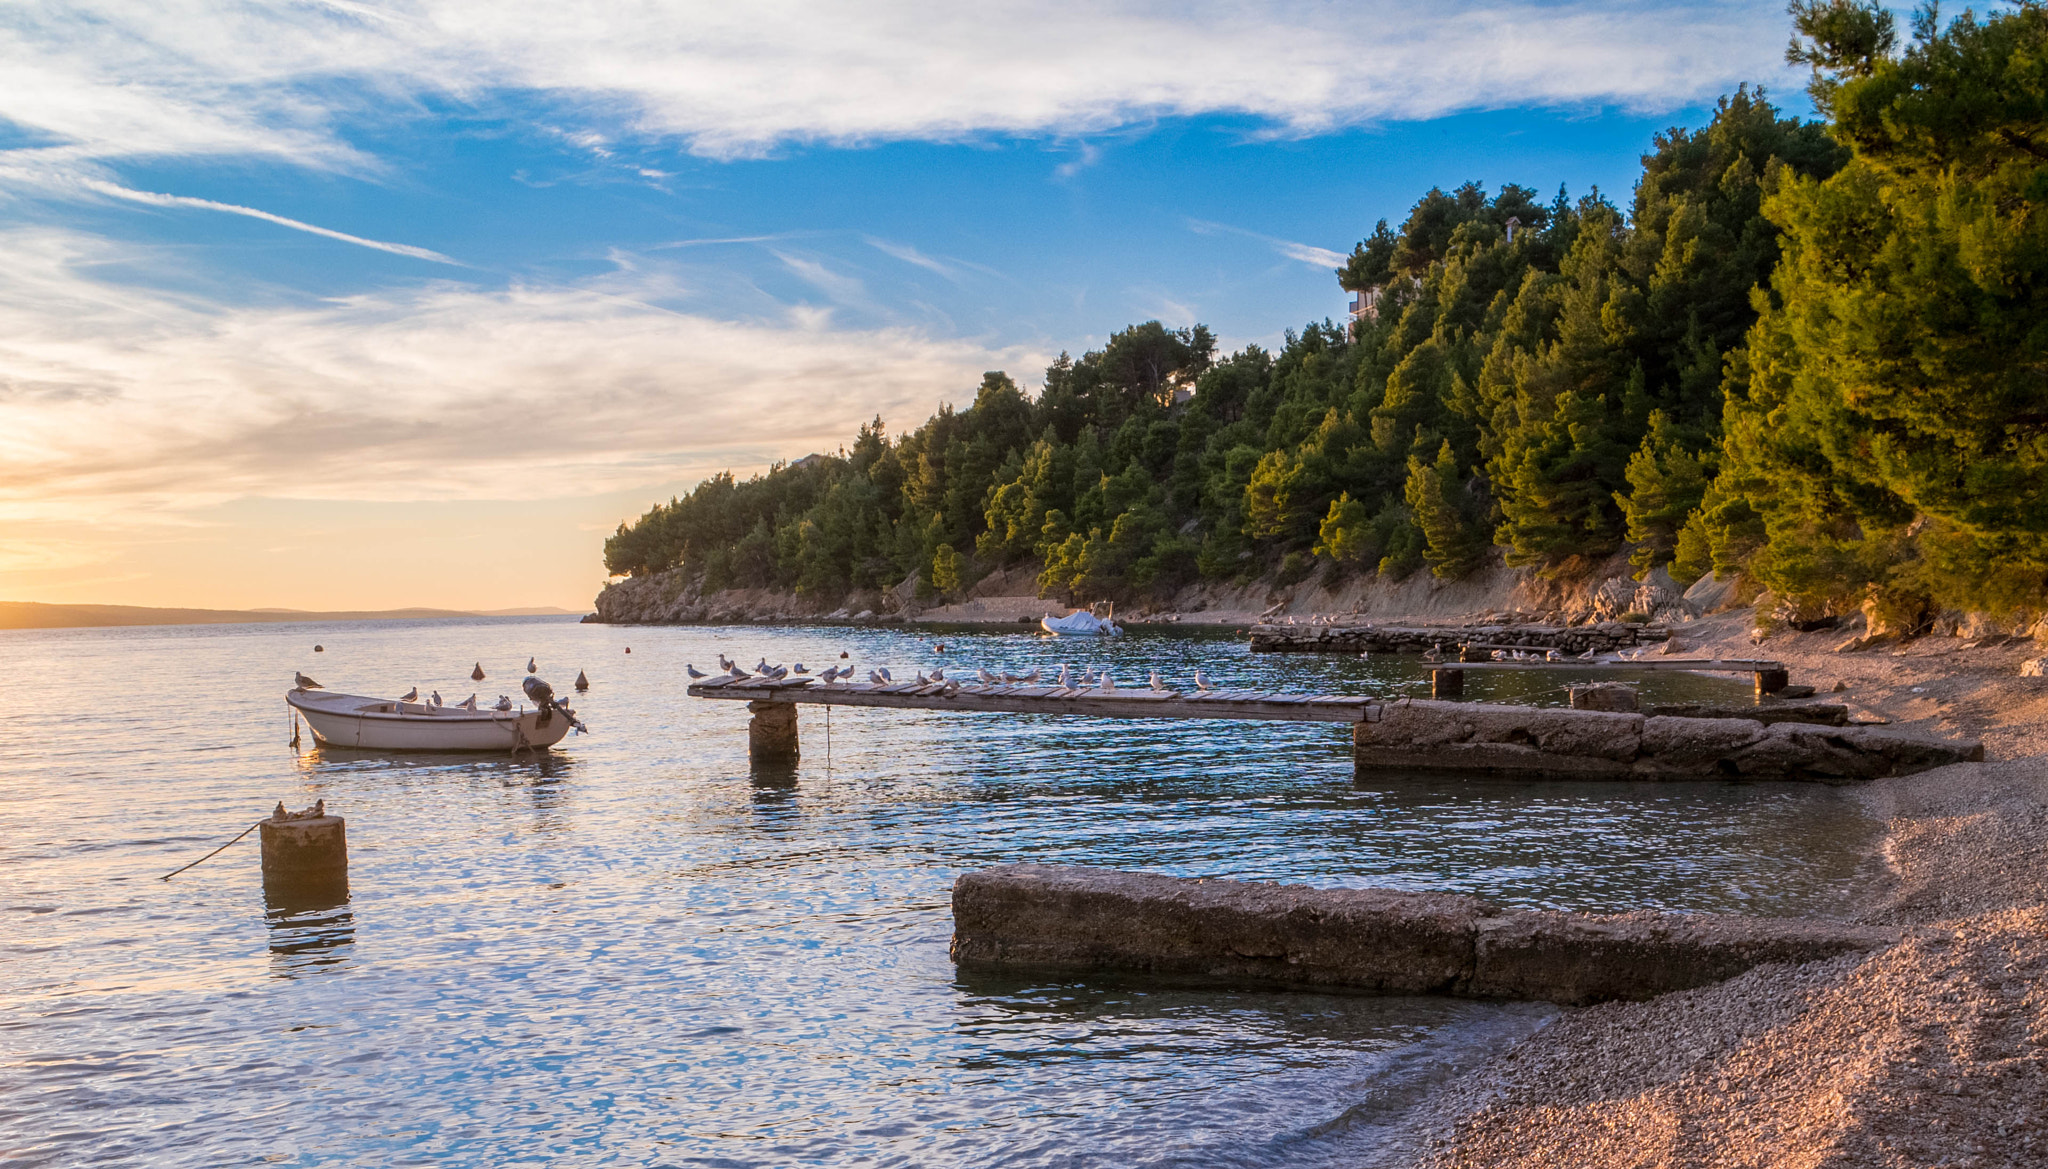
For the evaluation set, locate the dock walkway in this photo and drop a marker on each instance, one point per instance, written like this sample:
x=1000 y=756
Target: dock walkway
x=1019 y=698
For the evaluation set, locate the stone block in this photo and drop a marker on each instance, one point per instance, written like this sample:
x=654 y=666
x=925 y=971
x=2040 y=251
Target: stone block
x=1694 y=746
x=1075 y=920
x=1576 y=959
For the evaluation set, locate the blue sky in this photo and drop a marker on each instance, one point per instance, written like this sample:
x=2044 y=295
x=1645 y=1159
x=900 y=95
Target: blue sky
x=352 y=304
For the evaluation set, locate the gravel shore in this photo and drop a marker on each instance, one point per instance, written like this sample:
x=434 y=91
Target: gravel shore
x=1931 y=1053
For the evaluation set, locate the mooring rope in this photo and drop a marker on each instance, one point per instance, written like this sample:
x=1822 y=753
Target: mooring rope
x=209 y=856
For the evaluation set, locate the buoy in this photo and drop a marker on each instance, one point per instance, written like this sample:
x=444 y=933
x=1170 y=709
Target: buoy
x=319 y=649
x=629 y=649
x=478 y=673
x=582 y=683
x=305 y=854
x=843 y=653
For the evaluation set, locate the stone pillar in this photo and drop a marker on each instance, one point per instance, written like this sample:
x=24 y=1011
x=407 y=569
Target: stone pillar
x=1609 y=696
x=771 y=734
x=1769 y=682
x=1468 y=653
x=305 y=856
x=1447 y=683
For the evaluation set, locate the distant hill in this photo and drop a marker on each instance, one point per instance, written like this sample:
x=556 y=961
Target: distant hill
x=36 y=615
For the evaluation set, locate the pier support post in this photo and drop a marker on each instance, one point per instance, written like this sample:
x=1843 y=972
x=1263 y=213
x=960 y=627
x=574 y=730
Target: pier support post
x=1769 y=682
x=771 y=734
x=1472 y=653
x=1447 y=683
x=305 y=857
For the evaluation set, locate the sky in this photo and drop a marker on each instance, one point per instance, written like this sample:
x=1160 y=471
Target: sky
x=344 y=304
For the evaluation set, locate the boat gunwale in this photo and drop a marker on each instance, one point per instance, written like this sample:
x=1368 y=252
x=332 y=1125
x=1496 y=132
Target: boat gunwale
x=493 y=717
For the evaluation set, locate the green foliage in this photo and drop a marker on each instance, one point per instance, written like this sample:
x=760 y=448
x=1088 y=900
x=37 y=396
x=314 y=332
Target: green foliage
x=1887 y=420
x=945 y=569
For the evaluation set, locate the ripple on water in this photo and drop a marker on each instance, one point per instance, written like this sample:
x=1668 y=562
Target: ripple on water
x=640 y=952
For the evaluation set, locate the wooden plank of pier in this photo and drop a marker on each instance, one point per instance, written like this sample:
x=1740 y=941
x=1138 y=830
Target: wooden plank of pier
x=1250 y=705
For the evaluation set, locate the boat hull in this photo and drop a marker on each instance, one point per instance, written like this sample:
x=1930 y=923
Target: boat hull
x=346 y=720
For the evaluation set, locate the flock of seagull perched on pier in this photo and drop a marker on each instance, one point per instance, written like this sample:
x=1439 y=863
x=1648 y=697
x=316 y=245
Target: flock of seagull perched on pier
x=1436 y=654
x=1086 y=679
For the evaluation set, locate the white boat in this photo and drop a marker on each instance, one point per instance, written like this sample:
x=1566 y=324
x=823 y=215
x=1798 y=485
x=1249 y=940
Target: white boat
x=1080 y=622
x=385 y=724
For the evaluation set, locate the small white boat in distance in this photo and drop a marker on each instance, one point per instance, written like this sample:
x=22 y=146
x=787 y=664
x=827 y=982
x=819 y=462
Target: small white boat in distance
x=1080 y=622
x=386 y=724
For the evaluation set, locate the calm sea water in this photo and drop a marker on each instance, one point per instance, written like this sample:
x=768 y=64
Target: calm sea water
x=639 y=952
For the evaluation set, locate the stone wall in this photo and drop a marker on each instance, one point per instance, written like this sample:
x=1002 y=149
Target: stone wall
x=1075 y=921
x=1428 y=735
x=1601 y=637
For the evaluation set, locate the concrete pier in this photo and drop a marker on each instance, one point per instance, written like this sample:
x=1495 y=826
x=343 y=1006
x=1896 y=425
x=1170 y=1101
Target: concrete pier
x=1535 y=742
x=1064 y=920
x=771 y=733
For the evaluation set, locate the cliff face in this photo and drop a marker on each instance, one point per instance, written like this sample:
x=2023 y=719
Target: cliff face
x=674 y=598
x=1011 y=595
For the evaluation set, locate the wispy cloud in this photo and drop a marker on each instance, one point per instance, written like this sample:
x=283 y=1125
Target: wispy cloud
x=1310 y=254
x=843 y=289
x=155 y=199
x=114 y=398
x=152 y=78
x=912 y=256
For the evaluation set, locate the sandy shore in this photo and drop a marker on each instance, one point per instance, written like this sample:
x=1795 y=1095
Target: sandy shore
x=1931 y=1053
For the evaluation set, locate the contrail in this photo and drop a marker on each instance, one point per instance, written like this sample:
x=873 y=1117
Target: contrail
x=161 y=200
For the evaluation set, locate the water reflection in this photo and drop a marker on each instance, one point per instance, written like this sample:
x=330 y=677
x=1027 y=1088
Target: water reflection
x=309 y=927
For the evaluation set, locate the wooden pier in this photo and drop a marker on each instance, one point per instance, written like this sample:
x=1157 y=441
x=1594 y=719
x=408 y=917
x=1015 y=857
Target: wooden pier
x=772 y=734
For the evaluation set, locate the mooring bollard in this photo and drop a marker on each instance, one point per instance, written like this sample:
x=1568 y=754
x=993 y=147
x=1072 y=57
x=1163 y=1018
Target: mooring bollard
x=1769 y=682
x=1447 y=683
x=1610 y=696
x=305 y=854
x=771 y=734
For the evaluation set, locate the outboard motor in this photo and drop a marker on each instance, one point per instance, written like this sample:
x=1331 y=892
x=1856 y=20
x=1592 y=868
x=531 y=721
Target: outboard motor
x=542 y=695
x=538 y=692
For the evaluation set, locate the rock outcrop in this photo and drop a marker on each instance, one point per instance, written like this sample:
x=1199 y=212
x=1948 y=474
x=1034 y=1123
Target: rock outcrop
x=1072 y=920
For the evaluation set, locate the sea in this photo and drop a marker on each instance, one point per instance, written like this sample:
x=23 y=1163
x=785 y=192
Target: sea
x=639 y=950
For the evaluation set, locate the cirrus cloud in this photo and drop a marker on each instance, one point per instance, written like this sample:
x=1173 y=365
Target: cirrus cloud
x=130 y=78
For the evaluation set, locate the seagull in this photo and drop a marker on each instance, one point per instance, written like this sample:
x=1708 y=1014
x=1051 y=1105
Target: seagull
x=738 y=673
x=436 y=699
x=798 y=669
x=411 y=695
x=1589 y=655
x=1066 y=677
x=939 y=675
x=1156 y=683
x=761 y=667
x=478 y=672
x=875 y=678
x=724 y=663
x=504 y=702
x=1364 y=654
x=689 y=668
x=1434 y=653
x=306 y=683
x=987 y=679
x=884 y=672
x=1556 y=655
x=1108 y=683
x=1201 y=683
x=469 y=703
x=531 y=667
x=922 y=680
x=1033 y=676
